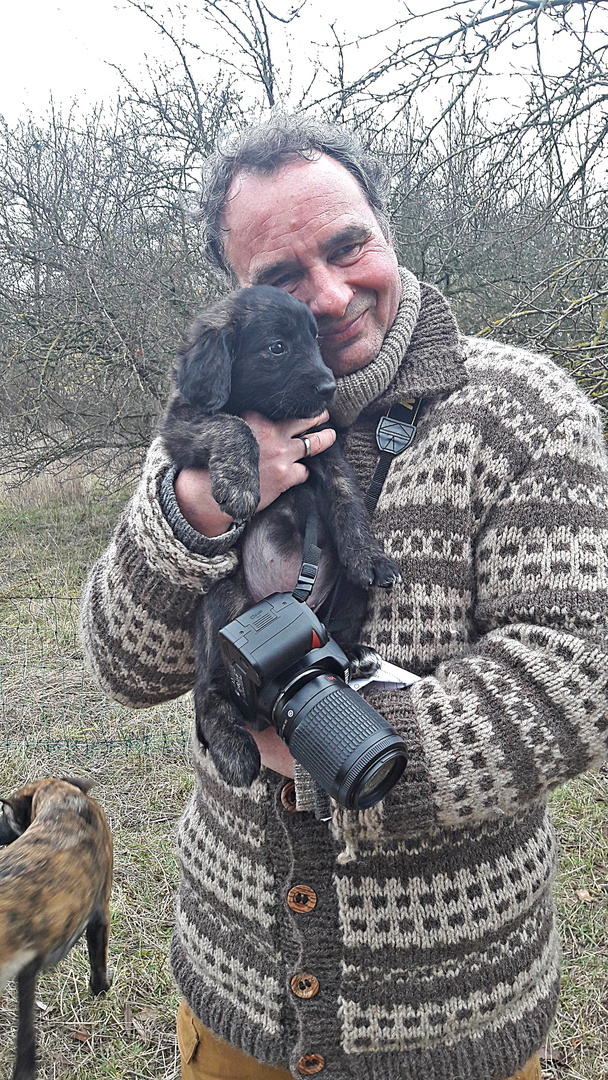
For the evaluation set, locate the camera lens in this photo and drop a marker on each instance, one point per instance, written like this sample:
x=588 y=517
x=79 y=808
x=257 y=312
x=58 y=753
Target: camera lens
x=346 y=745
x=369 y=789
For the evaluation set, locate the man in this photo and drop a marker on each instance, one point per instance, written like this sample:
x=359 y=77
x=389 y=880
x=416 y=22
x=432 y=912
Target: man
x=416 y=939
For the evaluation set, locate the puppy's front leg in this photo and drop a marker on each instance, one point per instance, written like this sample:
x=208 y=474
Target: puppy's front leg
x=234 y=468
x=25 y=1061
x=223 y=444
x=97 y=942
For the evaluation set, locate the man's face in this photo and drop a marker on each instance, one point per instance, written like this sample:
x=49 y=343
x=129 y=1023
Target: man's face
x=309 y=230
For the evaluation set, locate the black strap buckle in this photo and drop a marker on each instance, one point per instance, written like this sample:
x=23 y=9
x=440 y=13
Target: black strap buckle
x=393 y=436
x=396 y=431
x=310 y=560
x=306 y=580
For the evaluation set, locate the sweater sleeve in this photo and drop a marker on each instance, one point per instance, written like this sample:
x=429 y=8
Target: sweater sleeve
x=140 y=597
x=526 y=707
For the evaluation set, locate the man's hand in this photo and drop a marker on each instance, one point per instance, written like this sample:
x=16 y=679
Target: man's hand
x=281 y=449
x=273 y=752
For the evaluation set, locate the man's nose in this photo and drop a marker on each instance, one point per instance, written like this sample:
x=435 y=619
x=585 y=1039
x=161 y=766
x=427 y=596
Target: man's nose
x=328 y=296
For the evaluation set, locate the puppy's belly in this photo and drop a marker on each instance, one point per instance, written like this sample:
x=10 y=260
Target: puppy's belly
x=271 y=551
x=10 y=966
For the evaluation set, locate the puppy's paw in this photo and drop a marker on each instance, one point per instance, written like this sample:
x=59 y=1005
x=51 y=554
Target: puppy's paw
x=386 y=572
x=363 y=661
x=236 y=757
x=373 y=568
x=238 y=497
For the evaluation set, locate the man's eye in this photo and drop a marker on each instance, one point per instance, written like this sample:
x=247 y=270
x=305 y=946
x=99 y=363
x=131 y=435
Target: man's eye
x=347 y=251
x=277 y=348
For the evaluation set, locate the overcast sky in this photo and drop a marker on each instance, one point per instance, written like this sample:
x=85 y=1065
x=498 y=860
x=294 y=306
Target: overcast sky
x=65 y=47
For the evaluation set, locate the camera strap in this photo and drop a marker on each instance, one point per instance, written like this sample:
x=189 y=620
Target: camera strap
x=394 y=434
x=311 y=554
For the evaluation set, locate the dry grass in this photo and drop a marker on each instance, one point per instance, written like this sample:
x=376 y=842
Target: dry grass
x=56 y=721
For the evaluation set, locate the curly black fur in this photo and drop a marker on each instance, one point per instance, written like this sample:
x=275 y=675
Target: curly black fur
x=257 y=350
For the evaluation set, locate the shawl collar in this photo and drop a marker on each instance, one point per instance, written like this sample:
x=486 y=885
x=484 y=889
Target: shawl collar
x=421 y=356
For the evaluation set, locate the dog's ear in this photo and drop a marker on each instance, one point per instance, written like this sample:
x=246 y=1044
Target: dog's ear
x=204 y=368
x=17 y=814
x=79 y=782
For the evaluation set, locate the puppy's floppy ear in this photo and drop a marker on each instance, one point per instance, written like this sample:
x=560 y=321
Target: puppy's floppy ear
x=18 y=813
x=205 y=359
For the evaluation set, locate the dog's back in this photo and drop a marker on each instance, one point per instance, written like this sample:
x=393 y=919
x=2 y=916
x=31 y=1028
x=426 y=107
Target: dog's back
x=54 y=877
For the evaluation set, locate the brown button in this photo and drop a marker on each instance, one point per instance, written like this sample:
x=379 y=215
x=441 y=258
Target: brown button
x=302 y=899
x=310 y=1063
x=288 y=797
x=305 y=986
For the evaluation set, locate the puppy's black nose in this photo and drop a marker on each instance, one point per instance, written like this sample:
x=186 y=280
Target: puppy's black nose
x=326 y=389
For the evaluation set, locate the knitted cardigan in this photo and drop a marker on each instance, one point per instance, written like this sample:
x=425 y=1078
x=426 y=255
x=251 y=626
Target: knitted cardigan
x=426 y=924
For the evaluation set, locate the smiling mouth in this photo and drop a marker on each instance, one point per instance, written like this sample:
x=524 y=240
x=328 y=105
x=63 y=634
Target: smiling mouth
x=337 y=337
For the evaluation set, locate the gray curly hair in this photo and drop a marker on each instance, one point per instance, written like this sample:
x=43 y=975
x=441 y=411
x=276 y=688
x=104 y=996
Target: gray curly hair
x=263 y=148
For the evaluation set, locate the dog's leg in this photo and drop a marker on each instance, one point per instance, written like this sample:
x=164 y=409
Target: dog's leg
x=97 y=942
x=220 y=727
x=223 y=444
x=348 y=612
x=345 y=518
x=25 y=1061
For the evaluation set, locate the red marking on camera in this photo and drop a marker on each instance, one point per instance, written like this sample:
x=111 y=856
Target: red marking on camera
x=316 y=644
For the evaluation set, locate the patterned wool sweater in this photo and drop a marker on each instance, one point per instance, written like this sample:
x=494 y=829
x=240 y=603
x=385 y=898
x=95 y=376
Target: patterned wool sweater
x=415 y=940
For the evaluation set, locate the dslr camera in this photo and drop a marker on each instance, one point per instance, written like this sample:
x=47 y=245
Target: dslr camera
x=286 y=670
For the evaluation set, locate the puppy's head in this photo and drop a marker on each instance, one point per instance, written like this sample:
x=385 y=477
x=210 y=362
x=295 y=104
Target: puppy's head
x=19 y=810
x=256 y=350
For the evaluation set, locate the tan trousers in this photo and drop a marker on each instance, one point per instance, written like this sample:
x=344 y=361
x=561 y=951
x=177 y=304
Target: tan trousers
x=206 y=1058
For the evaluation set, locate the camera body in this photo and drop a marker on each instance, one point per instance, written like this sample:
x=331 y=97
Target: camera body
x=285 y=670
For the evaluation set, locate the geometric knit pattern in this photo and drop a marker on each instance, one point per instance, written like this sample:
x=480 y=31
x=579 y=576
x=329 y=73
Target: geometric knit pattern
x=433 y=936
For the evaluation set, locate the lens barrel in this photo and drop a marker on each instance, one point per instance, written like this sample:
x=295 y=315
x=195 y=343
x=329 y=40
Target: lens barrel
x=349 y=748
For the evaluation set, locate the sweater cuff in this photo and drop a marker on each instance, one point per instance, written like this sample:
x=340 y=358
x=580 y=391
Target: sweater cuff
x=194 y=541
x=159 y=551
x=408 y=807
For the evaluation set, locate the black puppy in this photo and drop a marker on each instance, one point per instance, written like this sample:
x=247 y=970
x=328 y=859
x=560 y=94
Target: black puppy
x=256 y=350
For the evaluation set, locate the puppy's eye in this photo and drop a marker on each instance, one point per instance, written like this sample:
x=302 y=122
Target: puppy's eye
x=277 y=348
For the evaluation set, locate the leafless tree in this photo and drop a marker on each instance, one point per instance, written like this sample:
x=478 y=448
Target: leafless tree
x=99 y=274
x=500 y=202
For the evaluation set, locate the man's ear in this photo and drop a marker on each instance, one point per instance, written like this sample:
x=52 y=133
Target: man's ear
x=205 y=361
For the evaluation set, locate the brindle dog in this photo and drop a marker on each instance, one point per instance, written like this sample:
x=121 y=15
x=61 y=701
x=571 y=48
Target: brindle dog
x=256 y=350
x=55 y=883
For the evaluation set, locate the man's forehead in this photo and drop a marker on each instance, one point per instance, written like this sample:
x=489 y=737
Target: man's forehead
x=302 y=203
x=322 y=172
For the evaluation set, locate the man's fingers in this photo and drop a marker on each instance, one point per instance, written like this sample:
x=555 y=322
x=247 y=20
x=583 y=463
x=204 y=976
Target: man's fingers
x=318 y=440
x=300 y=427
